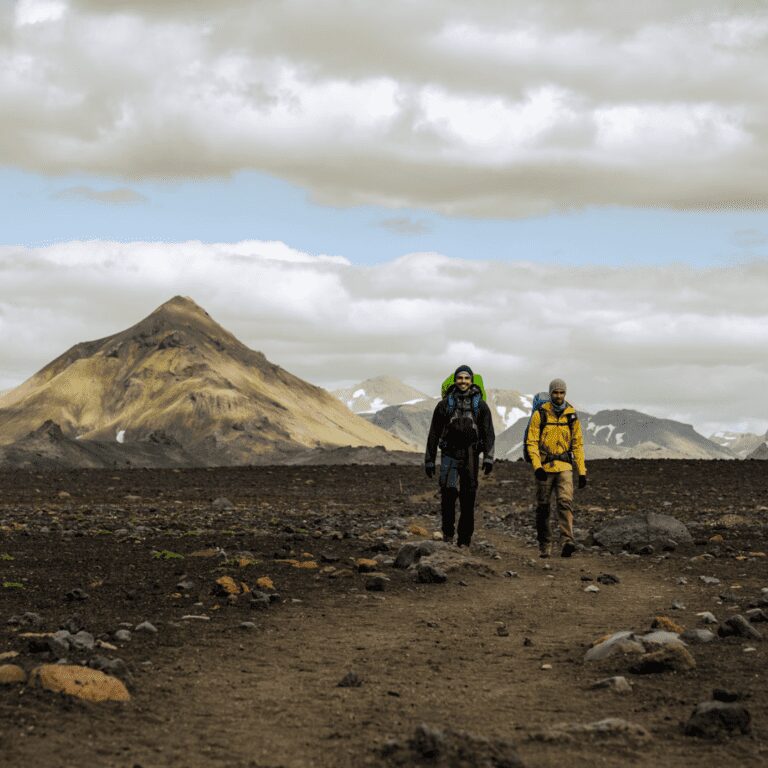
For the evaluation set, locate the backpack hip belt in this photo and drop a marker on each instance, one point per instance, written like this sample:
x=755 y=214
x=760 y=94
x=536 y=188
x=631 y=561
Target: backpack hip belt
x=565 y=456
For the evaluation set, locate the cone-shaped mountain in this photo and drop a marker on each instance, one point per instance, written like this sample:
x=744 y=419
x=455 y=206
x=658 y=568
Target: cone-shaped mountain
x=180 y=372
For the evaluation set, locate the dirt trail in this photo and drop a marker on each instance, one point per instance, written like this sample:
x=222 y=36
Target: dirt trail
x=217 y=695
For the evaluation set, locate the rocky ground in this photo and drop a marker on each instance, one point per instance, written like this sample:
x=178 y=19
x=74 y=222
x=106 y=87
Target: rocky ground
x=261 y=617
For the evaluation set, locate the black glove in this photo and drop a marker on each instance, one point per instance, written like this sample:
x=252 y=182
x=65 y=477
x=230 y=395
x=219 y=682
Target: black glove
x=429 y=468
x=582 y=481
x=487 y=467
x=540 y=474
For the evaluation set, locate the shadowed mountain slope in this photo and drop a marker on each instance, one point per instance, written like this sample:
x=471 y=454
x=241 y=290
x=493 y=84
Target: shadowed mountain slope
x=180 y=373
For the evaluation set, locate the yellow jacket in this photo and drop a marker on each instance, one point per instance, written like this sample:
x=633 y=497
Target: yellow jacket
x=555 y=438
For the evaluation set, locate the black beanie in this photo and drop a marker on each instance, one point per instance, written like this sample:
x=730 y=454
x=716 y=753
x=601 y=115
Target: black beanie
x=462 y=368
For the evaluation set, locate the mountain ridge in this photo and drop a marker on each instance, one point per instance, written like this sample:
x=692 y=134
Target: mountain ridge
x=180 y=372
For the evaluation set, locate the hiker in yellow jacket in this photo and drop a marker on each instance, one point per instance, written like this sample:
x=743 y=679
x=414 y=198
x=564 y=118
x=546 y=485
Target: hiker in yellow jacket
x=555 y=445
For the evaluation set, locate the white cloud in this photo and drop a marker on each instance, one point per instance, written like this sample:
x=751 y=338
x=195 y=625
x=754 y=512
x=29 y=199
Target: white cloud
x=489 y=109
x=675 y=341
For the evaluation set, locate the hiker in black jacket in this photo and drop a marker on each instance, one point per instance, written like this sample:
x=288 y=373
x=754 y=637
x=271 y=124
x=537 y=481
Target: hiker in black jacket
x=463 y=428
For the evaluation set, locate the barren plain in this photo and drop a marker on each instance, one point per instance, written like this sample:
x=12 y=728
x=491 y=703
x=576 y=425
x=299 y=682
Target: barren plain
x=485 y=669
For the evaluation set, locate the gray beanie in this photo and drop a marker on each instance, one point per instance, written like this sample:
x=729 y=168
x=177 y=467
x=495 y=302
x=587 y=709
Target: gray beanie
x=556 y=384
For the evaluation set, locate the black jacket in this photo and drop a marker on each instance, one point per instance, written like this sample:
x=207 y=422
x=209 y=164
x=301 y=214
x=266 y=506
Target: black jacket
x=437 y=428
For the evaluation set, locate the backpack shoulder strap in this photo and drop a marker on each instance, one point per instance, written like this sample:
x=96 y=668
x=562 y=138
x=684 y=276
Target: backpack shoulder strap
x=476 y=404
x=450 y=404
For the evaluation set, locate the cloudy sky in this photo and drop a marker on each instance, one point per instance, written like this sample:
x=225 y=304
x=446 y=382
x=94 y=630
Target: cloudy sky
x=558 y=188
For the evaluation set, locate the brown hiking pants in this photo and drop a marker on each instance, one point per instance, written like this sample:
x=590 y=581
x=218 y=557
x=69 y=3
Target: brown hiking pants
x=561 y=484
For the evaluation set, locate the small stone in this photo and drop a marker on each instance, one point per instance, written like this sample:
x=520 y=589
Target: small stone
x=756 y=615
x=76 y=595
x=592 y=588
x=376 y=582
x=707 y=617
x=247 y=625
x=671 y=658
x=226 y=585
x=146 y=627
x=546 y=666
x=720 y=694
x=430 y=574
x=11 y=674
x=221 y=504
x=260 y=600
x=623 y=642
x=418 y=530
x=709 y=580
x=123 y=636
x=83 y=641
x=365 y=565
x=715 y=719
x=739 y=626
x=697 y=636
x=608 y=579
x=617 y=684
x=350 y=680
x=195 y=617
x=502 y=631
x=667 y=624
x=677 y=605
x=511 y=574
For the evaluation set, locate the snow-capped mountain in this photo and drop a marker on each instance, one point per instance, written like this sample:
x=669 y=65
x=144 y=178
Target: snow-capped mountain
x=626 y=434
x=373 y=395
x=741 y=444
x=508 y=406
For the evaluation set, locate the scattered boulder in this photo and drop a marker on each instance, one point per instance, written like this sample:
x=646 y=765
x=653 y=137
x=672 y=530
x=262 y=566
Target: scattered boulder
x=609 y=729
x=715 y=719
x=625 y=642
x=661 y=639
x=80 y=682
x=221 y=504
x=376 y=582
x=738 y=626
x=446 y=748
x=667 y=624
x=350 y=680
x=225 y=586
x=633 y=532
x=670 y=658
x=146 y=627
x=413 y=551
x=698 y=636
x=427 y=573
x=11 y=674
x=616 y=684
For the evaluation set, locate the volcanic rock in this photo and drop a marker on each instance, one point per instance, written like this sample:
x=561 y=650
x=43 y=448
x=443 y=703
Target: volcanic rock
x=633 y=532
x=715 y=719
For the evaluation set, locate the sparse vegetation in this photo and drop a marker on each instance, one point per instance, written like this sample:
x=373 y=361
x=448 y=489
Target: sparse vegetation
x=166 y=554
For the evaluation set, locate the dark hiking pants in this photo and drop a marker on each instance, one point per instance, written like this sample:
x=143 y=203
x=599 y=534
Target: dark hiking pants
x=458 y=480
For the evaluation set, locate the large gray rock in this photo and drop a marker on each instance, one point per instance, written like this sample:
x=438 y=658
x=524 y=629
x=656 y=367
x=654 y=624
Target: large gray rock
x=714 y=719
x=633 y=532
x=413 y=551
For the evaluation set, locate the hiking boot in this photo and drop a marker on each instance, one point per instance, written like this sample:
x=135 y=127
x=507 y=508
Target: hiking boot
x=545 y=550
x=568 y=549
